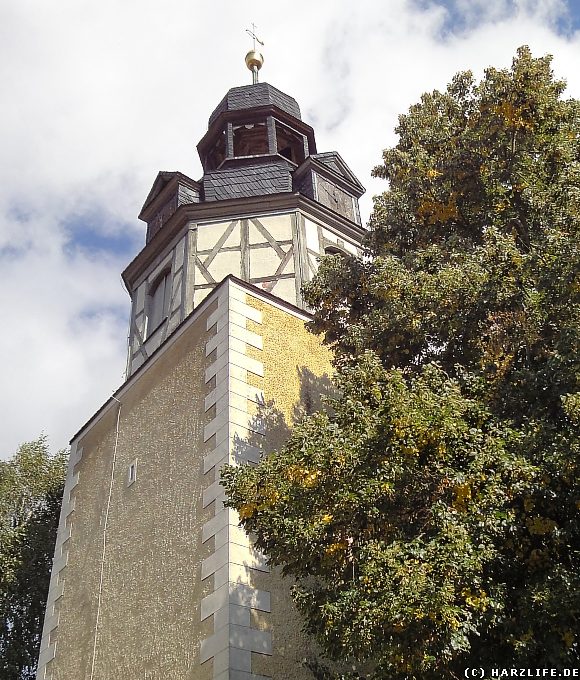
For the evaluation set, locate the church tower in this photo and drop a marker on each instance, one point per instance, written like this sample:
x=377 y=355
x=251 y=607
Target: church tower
x=152 y=577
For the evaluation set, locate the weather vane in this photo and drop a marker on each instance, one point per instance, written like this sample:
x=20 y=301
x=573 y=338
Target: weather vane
x=254 y=59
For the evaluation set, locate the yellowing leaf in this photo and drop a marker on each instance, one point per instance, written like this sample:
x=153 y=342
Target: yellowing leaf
x=247 y=511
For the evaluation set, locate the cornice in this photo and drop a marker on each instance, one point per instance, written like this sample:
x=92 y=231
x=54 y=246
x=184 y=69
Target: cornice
x=232 y=209
x=321 y=168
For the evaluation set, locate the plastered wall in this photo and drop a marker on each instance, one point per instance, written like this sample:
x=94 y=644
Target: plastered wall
x=297 y=367
x=145 y=583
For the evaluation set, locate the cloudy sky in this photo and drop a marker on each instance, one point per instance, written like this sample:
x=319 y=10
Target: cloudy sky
x=97 y=97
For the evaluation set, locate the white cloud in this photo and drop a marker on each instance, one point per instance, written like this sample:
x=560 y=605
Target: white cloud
x=97 y=97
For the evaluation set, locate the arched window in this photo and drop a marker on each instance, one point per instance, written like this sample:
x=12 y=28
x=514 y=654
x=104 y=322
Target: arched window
x=158 y=299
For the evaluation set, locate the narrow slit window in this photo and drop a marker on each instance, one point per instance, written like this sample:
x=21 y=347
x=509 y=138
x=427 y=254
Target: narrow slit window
x=132 y=473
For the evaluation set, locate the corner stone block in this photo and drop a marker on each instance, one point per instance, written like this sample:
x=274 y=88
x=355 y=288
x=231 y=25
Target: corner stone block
x=239 y=659
x=226 y=517
x=259 y=641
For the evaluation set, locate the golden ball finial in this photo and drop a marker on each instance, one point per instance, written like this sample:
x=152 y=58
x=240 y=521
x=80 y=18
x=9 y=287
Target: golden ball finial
x=254 y=60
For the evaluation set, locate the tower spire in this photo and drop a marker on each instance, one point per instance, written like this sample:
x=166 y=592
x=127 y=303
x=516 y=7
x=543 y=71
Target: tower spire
x=254 y=59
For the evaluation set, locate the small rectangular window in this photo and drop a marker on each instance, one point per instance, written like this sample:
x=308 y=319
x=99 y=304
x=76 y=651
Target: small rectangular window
x=132 y=473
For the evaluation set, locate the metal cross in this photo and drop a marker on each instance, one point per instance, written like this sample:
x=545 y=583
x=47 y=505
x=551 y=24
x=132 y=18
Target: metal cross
x=253 y=35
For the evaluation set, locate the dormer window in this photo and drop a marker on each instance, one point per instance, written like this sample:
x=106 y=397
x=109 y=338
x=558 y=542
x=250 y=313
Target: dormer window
x=158 y=299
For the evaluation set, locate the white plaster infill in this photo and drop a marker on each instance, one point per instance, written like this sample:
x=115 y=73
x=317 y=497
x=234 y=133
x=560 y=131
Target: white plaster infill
x=234 y=562
x=56 y=586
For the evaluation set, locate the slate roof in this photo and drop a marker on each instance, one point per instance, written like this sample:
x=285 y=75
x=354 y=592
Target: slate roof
x=248 y=180
x=329 y=159
x=251 y=96
x=188 y=188
x=334 y=161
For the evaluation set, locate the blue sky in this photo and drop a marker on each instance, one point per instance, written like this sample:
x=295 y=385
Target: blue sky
x=85 y=233
x=98 y=97
x=465 y=15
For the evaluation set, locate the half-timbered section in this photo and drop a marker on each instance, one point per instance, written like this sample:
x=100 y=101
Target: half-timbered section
x=266 y=209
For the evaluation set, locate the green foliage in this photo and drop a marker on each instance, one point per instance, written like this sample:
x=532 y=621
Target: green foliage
x=31 y=485
x=432 y=522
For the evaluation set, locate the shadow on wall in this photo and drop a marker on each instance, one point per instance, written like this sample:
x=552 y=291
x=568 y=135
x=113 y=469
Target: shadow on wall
x=269 y=431
x=315 y=391
x=268 y=427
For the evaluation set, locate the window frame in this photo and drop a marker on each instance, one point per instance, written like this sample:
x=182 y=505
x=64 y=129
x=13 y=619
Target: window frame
x=132 y=473
x=157 y=312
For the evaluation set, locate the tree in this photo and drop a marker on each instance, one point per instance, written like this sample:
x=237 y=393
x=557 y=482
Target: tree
x=31 y=486
x=431 y=517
